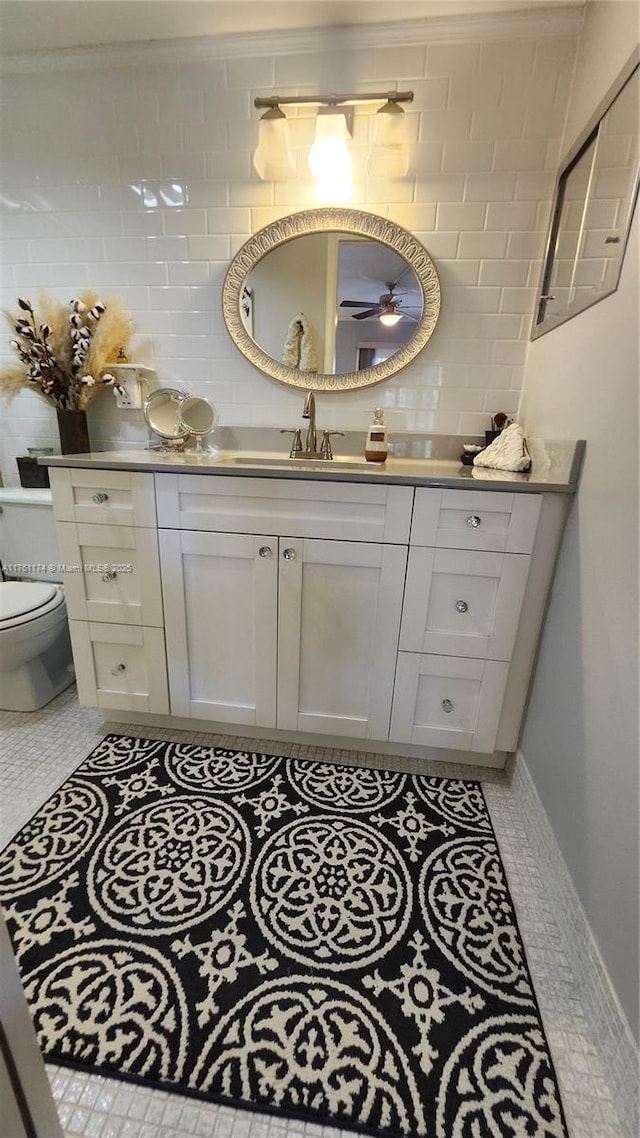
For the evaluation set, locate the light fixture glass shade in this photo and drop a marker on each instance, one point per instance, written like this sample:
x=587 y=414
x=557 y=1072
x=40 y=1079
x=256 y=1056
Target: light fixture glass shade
x=273 y=160
x=390 y=317
x=329 y=158
x=390 y=155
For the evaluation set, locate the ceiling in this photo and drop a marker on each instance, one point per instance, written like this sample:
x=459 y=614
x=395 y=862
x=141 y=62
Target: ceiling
x=367 y=269
x=28 y=25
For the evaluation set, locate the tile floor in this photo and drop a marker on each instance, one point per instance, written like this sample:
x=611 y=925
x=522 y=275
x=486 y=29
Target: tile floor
x=39 y=750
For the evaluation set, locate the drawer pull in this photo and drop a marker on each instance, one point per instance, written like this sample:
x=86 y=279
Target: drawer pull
x=265 y=551
x=110 y=575
x=462 y=606
x=474 y=521
x=100 y=497
x=119 y=668
x=447 y=706
x=289 y=554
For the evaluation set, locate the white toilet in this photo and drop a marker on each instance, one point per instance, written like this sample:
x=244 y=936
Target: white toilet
x=35 y=647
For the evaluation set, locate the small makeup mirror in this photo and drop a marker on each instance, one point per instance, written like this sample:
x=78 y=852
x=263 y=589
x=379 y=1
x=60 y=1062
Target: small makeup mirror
x=197 y=416
x=162 y=415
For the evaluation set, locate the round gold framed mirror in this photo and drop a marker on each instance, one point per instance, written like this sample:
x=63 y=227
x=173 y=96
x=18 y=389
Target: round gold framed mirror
x=331 y=299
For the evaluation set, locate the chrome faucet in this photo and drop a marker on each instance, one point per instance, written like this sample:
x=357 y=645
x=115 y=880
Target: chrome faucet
x=311 y=441
x=310 y=449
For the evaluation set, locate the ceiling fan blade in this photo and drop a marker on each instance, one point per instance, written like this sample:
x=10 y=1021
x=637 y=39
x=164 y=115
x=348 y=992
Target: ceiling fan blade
x=355 y=303
x=369 y=312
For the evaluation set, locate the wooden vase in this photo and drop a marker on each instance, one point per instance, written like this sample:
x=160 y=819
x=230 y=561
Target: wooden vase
x=74 y=433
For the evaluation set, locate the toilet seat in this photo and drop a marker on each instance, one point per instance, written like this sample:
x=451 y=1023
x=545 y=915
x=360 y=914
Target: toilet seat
x=24 y=601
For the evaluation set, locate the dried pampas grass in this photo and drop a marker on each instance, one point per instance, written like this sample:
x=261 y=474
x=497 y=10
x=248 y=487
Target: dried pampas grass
x=64 y=350
x=112 y=336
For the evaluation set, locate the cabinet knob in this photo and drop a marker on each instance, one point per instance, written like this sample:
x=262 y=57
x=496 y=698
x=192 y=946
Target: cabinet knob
x=110 y=575
x=118 y=669
x=264 y=551
x=474 y=521
x=289 y=554
x=447 y=706
x=462 y=606
x=100 y=497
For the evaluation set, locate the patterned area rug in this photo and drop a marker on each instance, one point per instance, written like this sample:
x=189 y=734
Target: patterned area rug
x=333 y=943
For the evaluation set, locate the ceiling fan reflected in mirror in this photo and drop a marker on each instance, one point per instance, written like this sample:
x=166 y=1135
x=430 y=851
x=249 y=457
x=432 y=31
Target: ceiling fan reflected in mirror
x=389 y=308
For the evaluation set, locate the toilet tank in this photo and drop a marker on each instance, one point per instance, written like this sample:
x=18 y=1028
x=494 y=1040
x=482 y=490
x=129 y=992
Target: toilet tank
x=28 y=544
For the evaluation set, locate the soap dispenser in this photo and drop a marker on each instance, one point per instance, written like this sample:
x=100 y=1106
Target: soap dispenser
x=376 y=446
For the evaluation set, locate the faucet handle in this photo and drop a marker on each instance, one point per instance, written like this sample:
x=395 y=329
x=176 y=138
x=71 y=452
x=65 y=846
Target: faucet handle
x=326 y=448
x=296 y=444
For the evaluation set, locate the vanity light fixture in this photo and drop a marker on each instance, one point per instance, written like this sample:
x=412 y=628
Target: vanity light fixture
x=329 y=157
x=390 y=155
x=273 y=160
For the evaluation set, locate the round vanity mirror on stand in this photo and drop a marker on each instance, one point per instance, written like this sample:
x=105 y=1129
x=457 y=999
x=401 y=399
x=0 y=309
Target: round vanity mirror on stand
x=198 y=417
x=162 y=415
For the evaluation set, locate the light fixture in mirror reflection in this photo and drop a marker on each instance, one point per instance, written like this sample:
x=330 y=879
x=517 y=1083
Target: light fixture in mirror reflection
x=358 y=294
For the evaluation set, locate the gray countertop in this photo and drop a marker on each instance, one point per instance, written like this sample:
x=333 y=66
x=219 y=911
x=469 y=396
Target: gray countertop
x=555 y=466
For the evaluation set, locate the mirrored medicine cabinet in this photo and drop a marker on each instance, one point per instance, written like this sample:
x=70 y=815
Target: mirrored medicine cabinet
x=595 y=195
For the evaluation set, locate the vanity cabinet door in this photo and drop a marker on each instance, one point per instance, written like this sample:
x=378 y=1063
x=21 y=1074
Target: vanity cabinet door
x=120 y=667
x=282 y=632
x=112 y=573
x=103 y=497
x=463 y=603
x=342 y=511
x=475 y=520
x=442 y=701
x=220 y=600
x=338 y=625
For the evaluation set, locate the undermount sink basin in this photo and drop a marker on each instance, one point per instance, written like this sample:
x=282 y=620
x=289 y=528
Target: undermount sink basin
x=329 y=465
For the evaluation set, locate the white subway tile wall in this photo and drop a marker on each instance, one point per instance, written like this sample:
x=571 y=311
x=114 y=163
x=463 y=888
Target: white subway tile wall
x=137 y=181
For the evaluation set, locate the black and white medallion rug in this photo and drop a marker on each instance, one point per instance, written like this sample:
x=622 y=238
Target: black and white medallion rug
x=333 y=943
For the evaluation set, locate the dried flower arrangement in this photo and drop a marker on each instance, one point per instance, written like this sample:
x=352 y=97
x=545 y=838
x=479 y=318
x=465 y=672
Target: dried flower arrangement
x=64 y=352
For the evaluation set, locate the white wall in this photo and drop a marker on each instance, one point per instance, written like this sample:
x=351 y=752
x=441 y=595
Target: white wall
x=292 y=279
x=136 y=180
x=581 y=736
x=350 y=334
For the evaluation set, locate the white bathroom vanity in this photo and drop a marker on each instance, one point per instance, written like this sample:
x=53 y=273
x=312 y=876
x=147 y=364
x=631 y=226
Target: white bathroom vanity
x=393 y=607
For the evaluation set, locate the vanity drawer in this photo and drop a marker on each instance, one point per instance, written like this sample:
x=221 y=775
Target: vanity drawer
x=463 y=603
x=285 y=507
x=113 y=573
x=475 y=519
x=103 y=497
x=441 y=701
x=120 y=667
